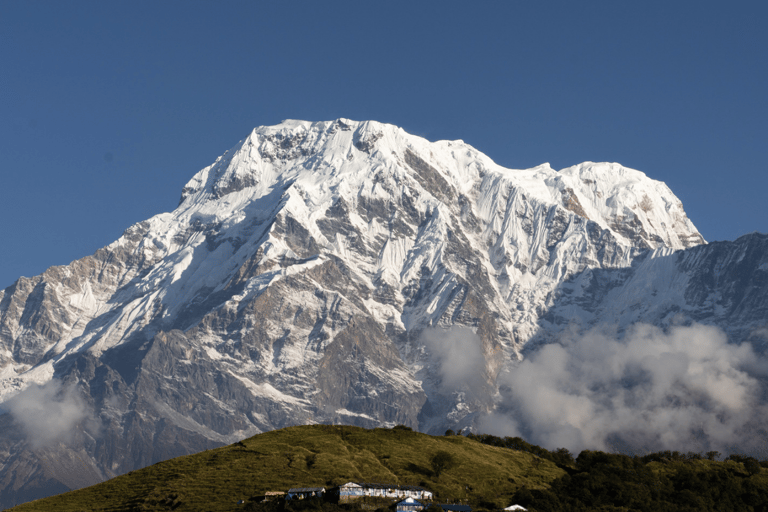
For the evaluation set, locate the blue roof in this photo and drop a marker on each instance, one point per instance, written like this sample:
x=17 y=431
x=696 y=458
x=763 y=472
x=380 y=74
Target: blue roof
x=455 y=508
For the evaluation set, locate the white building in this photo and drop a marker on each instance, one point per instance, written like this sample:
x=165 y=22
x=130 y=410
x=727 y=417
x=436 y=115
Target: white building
x=354 y=490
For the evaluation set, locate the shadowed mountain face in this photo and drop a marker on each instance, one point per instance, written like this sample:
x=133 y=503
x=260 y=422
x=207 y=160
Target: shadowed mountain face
x=343 y=272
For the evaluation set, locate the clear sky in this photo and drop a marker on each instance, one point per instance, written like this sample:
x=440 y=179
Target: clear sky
x=108 y=108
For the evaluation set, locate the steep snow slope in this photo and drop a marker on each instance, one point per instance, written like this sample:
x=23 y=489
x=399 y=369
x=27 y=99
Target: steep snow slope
x=296 y=280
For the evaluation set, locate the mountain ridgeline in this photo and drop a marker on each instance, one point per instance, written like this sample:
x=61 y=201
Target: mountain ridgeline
x=349 y=272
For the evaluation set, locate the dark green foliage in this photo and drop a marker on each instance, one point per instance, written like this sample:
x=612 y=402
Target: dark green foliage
x=713 y=455
x=402 y=427
x=662 y=481
x=675 y=456
x=485 y=505
x=450 y=432
x=441 y=461
x=751 y=464
x=561 y=456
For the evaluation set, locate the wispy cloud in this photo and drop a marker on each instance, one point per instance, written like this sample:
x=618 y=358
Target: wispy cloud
x=460 y=360
x=47 y=413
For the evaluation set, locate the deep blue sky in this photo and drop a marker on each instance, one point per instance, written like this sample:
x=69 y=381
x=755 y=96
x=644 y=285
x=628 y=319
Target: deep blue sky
x=108 y=108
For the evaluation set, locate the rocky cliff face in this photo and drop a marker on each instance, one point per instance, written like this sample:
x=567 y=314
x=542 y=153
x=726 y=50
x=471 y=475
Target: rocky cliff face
x=303 y=278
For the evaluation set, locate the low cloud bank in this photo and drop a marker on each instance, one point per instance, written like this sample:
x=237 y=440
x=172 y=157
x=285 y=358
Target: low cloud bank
x=47 y=413
x=685 y=389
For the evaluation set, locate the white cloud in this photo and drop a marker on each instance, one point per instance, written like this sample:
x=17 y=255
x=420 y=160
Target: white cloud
x=684 y=389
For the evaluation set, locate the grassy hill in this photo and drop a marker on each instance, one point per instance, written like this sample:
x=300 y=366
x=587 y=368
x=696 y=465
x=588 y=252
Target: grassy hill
x=314 y=455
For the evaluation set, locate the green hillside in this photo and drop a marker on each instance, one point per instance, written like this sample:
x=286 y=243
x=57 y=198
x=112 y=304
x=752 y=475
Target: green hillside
x=314 y=455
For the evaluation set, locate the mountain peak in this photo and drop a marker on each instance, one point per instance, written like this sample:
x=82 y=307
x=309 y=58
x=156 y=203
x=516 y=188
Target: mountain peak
x=634 y=207
x=315 y=272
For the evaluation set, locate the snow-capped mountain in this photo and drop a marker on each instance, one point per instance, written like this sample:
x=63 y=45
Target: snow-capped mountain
x=303 y=278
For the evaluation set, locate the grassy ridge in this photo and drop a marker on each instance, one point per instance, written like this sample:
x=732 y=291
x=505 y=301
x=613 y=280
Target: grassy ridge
x=314 y=455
